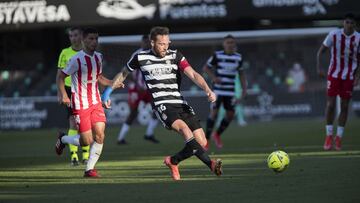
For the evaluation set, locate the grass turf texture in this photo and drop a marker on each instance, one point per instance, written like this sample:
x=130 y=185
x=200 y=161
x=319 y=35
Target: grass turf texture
x=31 y=172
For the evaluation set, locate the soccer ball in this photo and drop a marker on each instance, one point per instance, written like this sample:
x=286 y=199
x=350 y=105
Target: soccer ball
x=278 y=161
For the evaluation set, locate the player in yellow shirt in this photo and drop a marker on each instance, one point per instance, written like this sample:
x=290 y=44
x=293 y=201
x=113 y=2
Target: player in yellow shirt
x=65 y=56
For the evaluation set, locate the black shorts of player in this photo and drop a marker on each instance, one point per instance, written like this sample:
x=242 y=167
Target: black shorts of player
x=168 y=113
x=227 y=101
x=68 y=109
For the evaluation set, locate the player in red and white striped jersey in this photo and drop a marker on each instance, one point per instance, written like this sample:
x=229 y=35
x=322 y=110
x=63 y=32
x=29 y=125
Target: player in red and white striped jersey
x=85 y=69
x=343 y=75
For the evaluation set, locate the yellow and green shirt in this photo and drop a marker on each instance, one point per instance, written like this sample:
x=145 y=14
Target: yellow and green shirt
x=64 y=58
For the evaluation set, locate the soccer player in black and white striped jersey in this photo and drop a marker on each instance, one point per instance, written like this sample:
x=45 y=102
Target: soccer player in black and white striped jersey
x=162 y=69
x=222 y=68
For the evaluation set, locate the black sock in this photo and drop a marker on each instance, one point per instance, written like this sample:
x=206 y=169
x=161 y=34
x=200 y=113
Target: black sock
x=199 y=152
x=209 y=127
x=192 y=147
x=223 y=125
x=185 y=153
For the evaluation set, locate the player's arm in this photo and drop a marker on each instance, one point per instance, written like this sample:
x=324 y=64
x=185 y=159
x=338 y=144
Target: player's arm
x=60 y=77
x=327 y=43
x=208 y=69
x=104 y=81
x=60 y=82
x=320 y=52
x=119 y=79
x=199 y=81
x=117 y=82
x=211 y=74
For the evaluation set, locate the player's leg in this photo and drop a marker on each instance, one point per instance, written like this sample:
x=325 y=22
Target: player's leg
x=82 y=139
x=98 y=132
x=84 y=148
x=126 y=126
x=73 y=148
x=72 y=132
x=149 y=135
x=133 y=102
x=215 y=164
x=332 y=92
x=83 y=122
x=344 y=106
x=210 y=123
x=194 y=143
x=345 y=95
x=330 y=116
x=229 y=106
x=191 y=146
x=193 y=123
x=229 y=116
x=167 y=115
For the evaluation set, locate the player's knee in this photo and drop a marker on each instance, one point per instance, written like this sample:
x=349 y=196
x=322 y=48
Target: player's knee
x=72 y=123
x=86 y=141
x=202 y=142
x=330 y=105
x=344 y=107
x=230 y=115
x=183 y=129
x=214 y=114
x=99 y=138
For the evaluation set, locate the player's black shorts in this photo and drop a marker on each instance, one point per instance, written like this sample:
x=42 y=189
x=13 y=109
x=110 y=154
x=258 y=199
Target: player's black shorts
x=168 y=113
x=68 y=109
x=227 y=101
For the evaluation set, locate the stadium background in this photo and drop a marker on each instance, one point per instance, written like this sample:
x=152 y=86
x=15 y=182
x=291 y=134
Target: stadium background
x=284 y=32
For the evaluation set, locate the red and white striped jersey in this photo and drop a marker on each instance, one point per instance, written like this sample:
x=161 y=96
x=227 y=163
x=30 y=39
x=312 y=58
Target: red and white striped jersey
x=344 y=53
x=84 y=70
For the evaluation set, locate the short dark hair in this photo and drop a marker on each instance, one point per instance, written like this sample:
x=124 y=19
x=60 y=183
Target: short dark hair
x=75 y=28
x=158 y=31
x=349 y=16
x=229 y=37
x=89 y=30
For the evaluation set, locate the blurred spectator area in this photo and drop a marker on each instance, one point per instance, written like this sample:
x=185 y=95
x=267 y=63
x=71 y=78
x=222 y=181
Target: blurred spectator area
x=28 y=62
x=28 y=65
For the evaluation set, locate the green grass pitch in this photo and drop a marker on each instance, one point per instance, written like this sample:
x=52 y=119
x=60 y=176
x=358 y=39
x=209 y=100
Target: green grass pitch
x=31 y=172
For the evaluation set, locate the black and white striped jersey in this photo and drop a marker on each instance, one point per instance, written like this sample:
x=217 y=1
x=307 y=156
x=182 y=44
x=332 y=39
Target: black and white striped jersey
x=162 y=75
x=225 y=67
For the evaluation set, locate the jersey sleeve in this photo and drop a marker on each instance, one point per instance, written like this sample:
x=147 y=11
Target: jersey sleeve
x=181 y=61
x=328 y=42
x=62 y=60
x=133 y=63
x=71 y=67
x=212 y=61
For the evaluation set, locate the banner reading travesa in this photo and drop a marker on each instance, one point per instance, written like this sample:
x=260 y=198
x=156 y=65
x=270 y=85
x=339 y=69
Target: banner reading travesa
x=17 y=14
